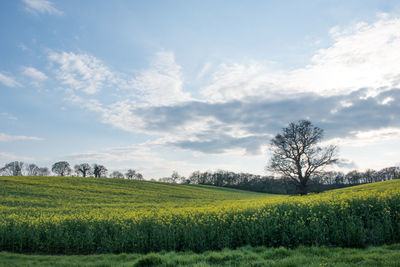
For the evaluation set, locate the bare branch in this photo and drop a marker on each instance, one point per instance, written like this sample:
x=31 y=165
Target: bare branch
x=296 y=153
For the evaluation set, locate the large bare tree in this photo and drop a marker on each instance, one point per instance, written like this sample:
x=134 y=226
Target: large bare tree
x=296 y=154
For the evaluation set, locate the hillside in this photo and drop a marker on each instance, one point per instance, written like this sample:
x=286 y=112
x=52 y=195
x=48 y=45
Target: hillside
x=55 y=193
x=88 y=215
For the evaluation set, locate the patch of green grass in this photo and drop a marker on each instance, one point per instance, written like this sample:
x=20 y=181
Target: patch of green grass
x=388 y=255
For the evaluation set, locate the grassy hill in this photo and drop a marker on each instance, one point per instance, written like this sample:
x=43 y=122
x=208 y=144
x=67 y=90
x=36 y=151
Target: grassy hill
x=65 y=194
x=87 y=215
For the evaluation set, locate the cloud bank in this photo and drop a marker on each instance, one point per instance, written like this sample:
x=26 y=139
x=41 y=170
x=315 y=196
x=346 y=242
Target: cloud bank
x=350 y=89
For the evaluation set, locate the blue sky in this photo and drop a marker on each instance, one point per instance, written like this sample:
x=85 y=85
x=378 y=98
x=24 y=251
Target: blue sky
x=196 y=85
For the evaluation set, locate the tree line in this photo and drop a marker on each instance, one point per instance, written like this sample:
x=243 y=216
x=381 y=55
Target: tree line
x=245 y=181
x=284 y=185
x=63 y=168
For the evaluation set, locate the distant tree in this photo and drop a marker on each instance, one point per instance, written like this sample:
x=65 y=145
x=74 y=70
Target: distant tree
x=133 y=174
x=353 y=177
x=13 y=169
x=83 y=169
x=61 y=168
x=44 y=171
x=296 y=154
x=130 y=174
x=184 y=180
x=389 y=173
x=370 y=176
x=117 y=174
x=165 y=180
x=32 y=170
x=139 y=176
x=99 y=170
x=332 y=177
x=194 y=177
x=175 y=177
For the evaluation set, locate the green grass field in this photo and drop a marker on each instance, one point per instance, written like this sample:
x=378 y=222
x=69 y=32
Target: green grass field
x=60 y=215
x=387 y=255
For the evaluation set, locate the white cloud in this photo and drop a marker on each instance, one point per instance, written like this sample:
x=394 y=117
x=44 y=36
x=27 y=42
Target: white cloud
x=162 y=83
x=125 y=115
x=81 y=72
x=387 y=100
x=366 y=55
x=41 y=7
x=365 y=138
x=34 y=74
x=8 y=81
x=238 y=81
x=118 y=114
x=7 y=138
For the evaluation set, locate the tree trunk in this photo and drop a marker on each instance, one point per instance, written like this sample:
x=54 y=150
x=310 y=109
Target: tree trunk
x=303 y=187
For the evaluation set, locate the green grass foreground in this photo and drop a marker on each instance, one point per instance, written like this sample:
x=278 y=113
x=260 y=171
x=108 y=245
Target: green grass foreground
x=246 y=256
x=67 y=215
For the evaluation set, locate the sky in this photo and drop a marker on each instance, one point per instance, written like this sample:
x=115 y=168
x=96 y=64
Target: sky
x=158 y=86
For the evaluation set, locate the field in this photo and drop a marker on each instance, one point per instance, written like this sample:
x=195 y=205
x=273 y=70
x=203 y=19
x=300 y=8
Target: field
x=387 y=255
x=59 y=215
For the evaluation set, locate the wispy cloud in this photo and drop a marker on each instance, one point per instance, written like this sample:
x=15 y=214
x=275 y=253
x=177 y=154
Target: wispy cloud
x=159 y=84
x=34 y=74
x=162 y=83
x=367 y=137
x=364 y=55
x=7 y=138
x=8 y=80
x=81 y=72
x=41 y=7
x=8 y=116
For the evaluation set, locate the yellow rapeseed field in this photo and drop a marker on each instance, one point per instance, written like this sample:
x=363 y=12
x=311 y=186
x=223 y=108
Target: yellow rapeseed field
x=87 y=215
